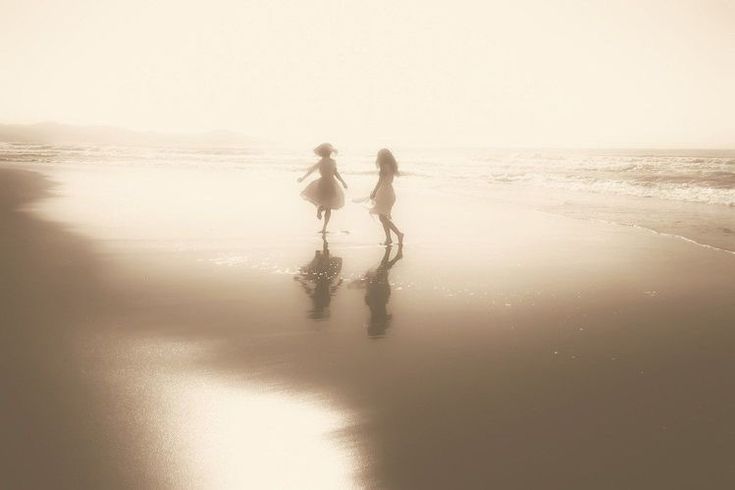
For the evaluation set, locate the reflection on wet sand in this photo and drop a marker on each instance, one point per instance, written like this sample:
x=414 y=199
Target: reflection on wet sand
x=377 y=293
x=90 y=399
x=320 y=279
x=575 y=379
x=239 y=436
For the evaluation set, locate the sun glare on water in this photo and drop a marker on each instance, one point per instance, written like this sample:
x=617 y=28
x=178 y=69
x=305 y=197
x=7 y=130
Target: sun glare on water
x=227 y=436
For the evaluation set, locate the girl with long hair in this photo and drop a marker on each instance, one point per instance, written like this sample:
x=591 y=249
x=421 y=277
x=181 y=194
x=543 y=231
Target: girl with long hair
x=384 y=196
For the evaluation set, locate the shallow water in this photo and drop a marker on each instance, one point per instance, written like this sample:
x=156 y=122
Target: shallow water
x=687 y=193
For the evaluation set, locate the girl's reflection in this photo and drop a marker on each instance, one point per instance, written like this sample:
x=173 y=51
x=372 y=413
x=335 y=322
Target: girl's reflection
x=377 y=293
x=320 y=279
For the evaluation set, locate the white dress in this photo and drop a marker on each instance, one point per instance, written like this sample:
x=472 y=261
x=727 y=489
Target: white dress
x=385 y=196
x=325 y=191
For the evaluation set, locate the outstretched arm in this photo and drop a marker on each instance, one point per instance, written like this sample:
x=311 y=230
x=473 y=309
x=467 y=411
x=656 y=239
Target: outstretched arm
x=308 y=172
x=339 y=177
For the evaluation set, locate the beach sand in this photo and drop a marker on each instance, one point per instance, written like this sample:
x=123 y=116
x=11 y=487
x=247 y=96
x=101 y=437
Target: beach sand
x=156 y=335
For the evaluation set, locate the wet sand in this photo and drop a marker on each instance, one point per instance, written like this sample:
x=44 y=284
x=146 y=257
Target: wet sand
x=509 y=349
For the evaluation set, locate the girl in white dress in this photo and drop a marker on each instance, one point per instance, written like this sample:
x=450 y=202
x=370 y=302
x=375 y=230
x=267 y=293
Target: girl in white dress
x=384 y=196
x=324 y=192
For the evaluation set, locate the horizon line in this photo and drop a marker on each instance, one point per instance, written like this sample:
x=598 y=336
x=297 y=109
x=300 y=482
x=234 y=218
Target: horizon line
x=294 y=142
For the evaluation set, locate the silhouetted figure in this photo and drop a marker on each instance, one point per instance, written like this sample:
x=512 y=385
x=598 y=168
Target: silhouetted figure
x=384 y=196
x=324 y=192
x=377 y=293
x=320 y=279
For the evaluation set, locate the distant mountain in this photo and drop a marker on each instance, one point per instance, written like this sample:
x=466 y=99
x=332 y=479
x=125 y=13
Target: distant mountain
x=52 y=133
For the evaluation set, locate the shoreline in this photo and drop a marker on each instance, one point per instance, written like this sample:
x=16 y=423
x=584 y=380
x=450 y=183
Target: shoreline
x=649 y=230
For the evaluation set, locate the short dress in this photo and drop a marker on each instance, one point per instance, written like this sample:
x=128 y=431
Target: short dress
x=385 y=196
x=325 y=191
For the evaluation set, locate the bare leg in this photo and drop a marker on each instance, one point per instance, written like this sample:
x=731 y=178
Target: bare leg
x=327 y=215
x=319 y=212
x=395 y=230
x=386 y=227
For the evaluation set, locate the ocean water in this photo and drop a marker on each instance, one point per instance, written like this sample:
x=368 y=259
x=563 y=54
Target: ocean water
x=689 y=194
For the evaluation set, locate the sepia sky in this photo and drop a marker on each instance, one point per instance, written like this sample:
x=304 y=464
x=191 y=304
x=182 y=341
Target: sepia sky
x=491 y=73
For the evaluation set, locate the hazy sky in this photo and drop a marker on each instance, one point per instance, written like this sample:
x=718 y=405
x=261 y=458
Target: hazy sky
x=496 y=73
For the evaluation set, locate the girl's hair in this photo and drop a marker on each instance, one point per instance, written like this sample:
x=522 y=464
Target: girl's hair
x=325 y=150
x=386 y=159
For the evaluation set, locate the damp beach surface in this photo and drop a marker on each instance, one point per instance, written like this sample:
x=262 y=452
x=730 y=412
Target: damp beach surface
x=189 y=328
